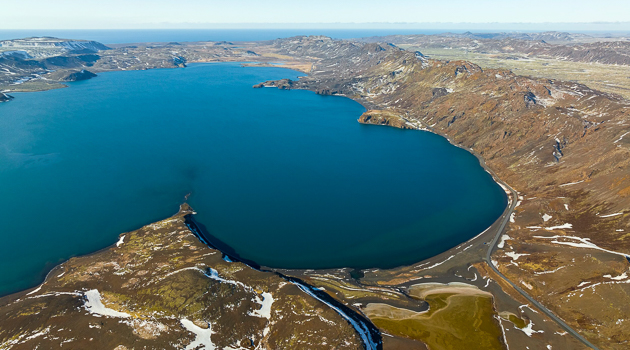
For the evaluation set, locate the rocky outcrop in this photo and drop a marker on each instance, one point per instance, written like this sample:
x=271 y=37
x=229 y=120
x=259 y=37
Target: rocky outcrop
x=389 y=118
x=283 y=84
x=5 y=98
x=561 y=144
x=159 y=287
x=80 y=75
x=179 y=61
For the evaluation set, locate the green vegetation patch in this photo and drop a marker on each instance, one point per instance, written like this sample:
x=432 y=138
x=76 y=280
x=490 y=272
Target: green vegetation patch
x=454 y=321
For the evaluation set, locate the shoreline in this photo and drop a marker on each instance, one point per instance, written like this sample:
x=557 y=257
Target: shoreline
x=225 y=249
x=493 y=233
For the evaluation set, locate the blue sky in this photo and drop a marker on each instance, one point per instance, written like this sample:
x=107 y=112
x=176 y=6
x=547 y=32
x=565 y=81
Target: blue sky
x=103 y=14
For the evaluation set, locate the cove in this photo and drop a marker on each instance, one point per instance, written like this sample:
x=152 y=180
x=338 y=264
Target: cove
x=286 y=179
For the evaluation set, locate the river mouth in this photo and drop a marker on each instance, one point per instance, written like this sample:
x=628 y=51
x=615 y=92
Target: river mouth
x=286 y=179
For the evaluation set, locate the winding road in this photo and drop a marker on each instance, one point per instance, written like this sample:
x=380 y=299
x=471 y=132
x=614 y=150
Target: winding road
x=492 y=247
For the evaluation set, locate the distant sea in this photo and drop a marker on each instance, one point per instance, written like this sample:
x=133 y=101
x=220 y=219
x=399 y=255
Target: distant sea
x=121 y=36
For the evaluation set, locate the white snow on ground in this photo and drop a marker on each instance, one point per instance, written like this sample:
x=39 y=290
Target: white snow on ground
x=502 y=241
x=507 y=346
x=54 y=294
x=559 y=227
x=121 y=240
x=202 y=336
x=440 y=263
x=265 y=309
x=363 y=331
x=566 y=206
x=21 y=338
x=182 y=269
x=529 y=329
x=512 y=216
x=571 y=183
x=522 y=308
x=619 y=230
x=36 y=290
x=584 y=243
x=267 y=298
x=551 y=271
x=515 y=255
x=38 y=334
x=583 y=284
x=623 y=276
x=621 y=138
x=214 y=274
x=547 y=217
x=96 y=307
x=609 y=215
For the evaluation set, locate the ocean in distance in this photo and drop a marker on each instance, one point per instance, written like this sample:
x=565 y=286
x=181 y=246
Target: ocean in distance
x=285 y=178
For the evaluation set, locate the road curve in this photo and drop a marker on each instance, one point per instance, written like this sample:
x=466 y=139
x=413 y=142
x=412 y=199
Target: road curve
x=488 y=260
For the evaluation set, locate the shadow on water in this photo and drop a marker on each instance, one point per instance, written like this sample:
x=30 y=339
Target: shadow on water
x=370 y=335
x=201 y=231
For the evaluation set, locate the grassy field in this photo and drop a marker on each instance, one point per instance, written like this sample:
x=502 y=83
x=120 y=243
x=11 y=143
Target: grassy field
x=457 y=320
x=603 y=77
x=32 y=85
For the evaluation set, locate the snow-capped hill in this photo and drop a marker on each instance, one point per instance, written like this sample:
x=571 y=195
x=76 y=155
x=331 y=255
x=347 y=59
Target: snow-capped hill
x=41 y=47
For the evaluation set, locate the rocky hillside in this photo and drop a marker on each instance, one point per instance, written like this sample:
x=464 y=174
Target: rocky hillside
x=550 y=36
x=43 y=47
x=161 y=288
x=41 y=63
x=562 y=144
x=605 y=52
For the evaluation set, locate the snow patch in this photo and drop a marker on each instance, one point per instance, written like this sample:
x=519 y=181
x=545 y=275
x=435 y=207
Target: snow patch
x=202 y=336
x=265 y=309
x=515 y=255
x=547 y=217
x=622 y=136
x=95 y=306
x=121 y=240
x=618 y=278
x=584 y=243
x=502 y=241
x=529 y=329
x=610 y=215
x=36 y=290
x=564 y=226
x=571 y=183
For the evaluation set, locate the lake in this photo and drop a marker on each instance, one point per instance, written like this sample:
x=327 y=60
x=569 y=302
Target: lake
x=284 y=178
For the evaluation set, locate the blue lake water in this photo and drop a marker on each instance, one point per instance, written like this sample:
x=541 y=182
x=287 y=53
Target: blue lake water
x=286 y=178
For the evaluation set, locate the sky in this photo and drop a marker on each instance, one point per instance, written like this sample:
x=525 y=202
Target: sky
x=149 y=14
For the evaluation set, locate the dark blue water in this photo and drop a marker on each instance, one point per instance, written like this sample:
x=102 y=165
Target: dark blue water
x=286 y=178
x=113 y=36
